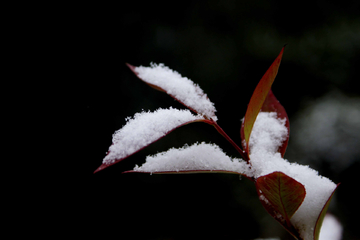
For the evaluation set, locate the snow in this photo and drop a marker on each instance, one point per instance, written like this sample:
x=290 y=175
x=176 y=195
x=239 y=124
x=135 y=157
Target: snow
x=181 y=88
x=145 y=128
x=203 y=156
x=331 y=229
x=267 y=134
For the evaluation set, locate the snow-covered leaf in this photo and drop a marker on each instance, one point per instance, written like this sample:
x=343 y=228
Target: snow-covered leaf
x=144 y=129
x=181 y=88
x=197 y=158
x=271 y=104
x=257 y=100
x=268 y=134
x=281 y=196
x=132 y=68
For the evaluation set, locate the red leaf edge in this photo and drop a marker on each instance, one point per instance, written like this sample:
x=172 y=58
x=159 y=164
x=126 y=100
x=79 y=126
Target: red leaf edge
x=104 y=165
x=257 y=100
x=271 y=104
x=132 y=68
x=271 y=206
x=191 y=172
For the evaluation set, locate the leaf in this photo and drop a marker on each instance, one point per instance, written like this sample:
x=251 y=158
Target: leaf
x=257 y=100
x=281 y=196
x=144 y=129
x=180 y=88
x=194 y=171
x=197 y=158
x=322 y=215
x=132 y=68
x=271 y=104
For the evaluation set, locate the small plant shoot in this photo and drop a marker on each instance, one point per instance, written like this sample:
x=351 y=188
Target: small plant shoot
x=294 y=195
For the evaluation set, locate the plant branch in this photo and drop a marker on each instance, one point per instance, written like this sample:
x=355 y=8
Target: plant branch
x=222 y=132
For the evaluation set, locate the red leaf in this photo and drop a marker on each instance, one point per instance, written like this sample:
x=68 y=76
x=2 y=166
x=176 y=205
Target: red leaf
x=257 y=100
x=281 y=196
x=196 y=100
x=197 y=158
x=321 y=216
x=132 y=68
x=189 y=172
x=136 y=147
x=271 y=104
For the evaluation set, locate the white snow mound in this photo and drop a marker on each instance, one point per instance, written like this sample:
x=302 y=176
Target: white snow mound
x=266 y=137
x=179 y=87
x=203 y=156
x=145 y=128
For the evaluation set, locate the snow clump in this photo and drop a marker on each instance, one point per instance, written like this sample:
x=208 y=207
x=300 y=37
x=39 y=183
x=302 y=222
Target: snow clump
x=198 y=157
x=144 y=129
x=266 y=137
x=181 y=88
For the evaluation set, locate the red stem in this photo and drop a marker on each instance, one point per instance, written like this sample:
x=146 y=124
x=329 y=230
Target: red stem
x=221 y=131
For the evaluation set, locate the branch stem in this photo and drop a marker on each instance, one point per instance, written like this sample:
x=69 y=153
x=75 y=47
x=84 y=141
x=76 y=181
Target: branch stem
x=222 y=132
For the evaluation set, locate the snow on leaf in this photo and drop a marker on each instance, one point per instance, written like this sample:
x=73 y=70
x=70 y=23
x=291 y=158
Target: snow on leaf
x=281 y=196
x=196 y=158
x=257 y=100
x=132 y=68
x=271 y=104
x=181 y=88
x=144 y=129
x=267 y=135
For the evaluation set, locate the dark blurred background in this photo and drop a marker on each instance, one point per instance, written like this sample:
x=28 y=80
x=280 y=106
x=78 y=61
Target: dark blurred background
x=225 y=47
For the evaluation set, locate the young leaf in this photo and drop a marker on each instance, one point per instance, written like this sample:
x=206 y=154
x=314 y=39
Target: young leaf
x=281 y=196
x=321 y=217
x=271 y=104
x=132 y=68
x=257 y=100
x=197 y=158
x=181 y=88
x=144 y=129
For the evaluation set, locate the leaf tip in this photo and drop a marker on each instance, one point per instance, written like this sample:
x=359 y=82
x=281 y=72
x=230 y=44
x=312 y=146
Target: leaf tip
x=132 y=68
x=98 y=169
x=102 y=167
